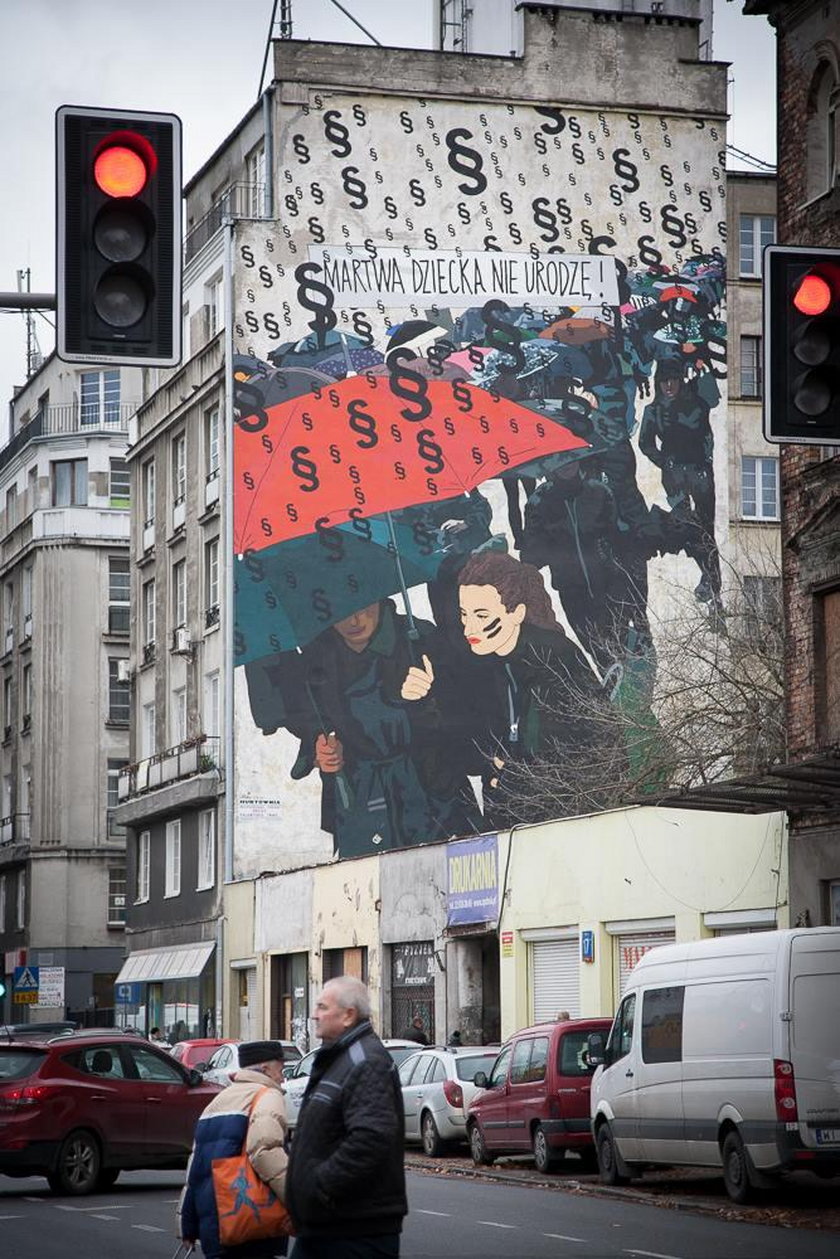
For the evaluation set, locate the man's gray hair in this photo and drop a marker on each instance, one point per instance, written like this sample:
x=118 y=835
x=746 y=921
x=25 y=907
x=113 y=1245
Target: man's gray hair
x=351 y=994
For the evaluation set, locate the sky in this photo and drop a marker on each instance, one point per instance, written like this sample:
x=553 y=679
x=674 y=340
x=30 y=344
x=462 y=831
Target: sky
x=202 y=60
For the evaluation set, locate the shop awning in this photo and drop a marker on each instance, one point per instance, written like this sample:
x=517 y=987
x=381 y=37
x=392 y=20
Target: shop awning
x=182 y=961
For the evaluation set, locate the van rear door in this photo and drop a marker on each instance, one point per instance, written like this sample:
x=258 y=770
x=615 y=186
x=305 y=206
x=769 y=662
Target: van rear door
x=815 y=1036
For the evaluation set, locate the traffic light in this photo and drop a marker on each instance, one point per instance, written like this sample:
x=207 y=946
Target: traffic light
x=118 y=227
x=802 y=345
x=2 y=987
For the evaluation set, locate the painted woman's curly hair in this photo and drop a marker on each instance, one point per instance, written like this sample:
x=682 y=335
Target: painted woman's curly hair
x=516 y=583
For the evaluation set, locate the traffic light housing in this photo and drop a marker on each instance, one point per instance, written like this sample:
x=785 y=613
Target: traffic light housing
x=2 y=987
x=118 y=230
x=801 y=345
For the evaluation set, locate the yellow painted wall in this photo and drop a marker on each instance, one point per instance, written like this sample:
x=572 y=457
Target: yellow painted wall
x=238 y=944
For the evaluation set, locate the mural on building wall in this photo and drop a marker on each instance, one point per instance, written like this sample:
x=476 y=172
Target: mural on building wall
x=477 y=379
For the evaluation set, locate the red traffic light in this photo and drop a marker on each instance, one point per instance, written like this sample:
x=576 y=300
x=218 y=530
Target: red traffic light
x=123 y=163
x=813 y=295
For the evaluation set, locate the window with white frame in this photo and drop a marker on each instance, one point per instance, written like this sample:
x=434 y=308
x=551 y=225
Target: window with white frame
x=750 y=367
x=119 y=694
x=255 y=179
x=7 y=707
x=20 y=916
x=116 y=896
x=759 y=488
x=206 y=849
x=211 y=583
x=70 y=483
x=179 y=593
x=26 y=599
x=762 y=606
x=26 y=696
x=215 y=295
x=211 y=442
x=11 y=507
x=212 y=701
x=148 y=604
x=179 y=715
x=144 y=848
x=9 y=614
x=120 y=483
x=112 y=798
x=755 y=231
x=7 y=795
x=99 y=395
x=148 y=730
x=119 y=594
x=172 y=885
x=149 y=492
x=179 y=468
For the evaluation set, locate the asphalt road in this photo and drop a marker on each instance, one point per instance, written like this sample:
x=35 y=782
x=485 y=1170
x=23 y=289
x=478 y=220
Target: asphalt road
x=450 y=1215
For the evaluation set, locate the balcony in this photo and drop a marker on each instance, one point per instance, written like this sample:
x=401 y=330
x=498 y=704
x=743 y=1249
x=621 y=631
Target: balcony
x=110 y=417
x=239 y=201
x=193 y=756
x=14 y=829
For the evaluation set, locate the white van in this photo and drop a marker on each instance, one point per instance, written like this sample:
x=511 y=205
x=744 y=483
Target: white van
x=724 y=1053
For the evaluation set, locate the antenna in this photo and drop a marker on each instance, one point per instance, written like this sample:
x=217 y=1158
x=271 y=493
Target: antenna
x=34 y=357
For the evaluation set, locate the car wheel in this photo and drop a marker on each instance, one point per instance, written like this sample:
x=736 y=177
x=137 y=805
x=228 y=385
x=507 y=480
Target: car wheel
x=107 y=1177
x=77 y=1166
x=432 y=1144
x=478 y=1149
x=544 y=1156
x=608 y=1158
x=736 y=1175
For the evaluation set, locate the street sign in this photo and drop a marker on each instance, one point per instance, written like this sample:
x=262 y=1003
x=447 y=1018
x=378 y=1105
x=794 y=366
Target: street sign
x=50 y=987
x=25 y=983
x=127 y=994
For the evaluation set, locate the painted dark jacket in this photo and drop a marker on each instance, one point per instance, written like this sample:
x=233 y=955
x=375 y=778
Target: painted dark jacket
x=677 y=431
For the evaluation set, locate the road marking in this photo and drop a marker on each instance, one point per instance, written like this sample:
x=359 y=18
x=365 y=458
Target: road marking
x=12 y=1217
x=561 y=1237
x=96 y=1216
x=148 y=1228
x=494 y=1224
x=651 y=1254
x=112 y=1206
x=443 y=1214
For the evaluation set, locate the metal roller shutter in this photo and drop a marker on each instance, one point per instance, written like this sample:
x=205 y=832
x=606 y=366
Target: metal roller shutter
x=632 y=947
x=249 y=1023
x=555 y=978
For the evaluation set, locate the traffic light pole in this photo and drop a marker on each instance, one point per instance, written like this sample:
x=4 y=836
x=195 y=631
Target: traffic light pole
x=27 y=301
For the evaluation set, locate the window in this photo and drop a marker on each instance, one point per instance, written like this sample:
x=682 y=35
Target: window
x=499 y=1072
x=573 y=1054
x=211 y=442
x=153 y=1067
x=756 y=231
x=26 y=600
x=662 y=1020
x=179 y=715
x=11 y=507
x=119 y=586
x=833 y=905
x=115 y=768
x=20 y=915
x=26 y=696
x=621 y=1033
x=519 y=1062
x=116 y=896
x=820 y=145
x=759 y=488
x=149 y=493
x=255 y=179
x=827 y=665
x=750 y=367
x=119 y=694
x=215 y=305
x=2 y=903
x=8 y=616
x=144 y=844
x=179 y=468
x=173 y=859
x=120 y=483
x=206 y=849
x=149 y=618
x=212 y=714
x=100 y=397
x=32 y=487
x=211 y=583
x=70 y=483
x=179 y=593
x=149 y=730
x=7 y=706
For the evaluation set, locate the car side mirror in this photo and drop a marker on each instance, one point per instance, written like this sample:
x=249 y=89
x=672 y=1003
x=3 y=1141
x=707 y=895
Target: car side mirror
x=202 y=1066
x=596 y=1053
x=195 y=1077
x=288 y=1071
x=480 y=1079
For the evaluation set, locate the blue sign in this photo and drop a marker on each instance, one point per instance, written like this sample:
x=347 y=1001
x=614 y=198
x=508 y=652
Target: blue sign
x=587 y=946
x=25 y=979
x=128 y=994
x=472 y=881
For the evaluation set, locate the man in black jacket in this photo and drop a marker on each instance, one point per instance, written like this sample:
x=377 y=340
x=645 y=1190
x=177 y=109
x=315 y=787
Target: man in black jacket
x=345 y=1186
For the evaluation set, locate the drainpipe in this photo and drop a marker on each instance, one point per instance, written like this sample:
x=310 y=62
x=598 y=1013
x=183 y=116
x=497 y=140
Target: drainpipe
x=268 y=129
x=227 y=619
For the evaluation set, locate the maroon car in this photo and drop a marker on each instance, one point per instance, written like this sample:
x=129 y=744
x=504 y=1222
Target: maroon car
x=79 y=1109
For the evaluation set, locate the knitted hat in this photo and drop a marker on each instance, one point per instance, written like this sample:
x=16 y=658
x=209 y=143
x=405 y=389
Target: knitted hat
x=254 y=1052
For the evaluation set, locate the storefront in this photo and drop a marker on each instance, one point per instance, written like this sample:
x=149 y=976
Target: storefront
x=170 y=988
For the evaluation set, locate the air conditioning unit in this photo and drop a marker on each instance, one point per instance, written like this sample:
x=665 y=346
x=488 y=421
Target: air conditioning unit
x=124 y=671
x=181 y=641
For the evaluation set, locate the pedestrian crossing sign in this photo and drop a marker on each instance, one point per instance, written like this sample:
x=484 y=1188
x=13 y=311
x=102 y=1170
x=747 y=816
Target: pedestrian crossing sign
x=25 y=984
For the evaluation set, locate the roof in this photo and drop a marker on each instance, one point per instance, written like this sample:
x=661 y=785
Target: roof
x=180 y=961
x=800 y=786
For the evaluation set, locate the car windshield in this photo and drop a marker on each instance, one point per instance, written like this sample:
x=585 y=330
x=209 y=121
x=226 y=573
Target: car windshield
x=16 y=1064
x=399 y=1053
x=466 y=1066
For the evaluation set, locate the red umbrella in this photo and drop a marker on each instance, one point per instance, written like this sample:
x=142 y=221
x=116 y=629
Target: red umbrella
x=372 y=444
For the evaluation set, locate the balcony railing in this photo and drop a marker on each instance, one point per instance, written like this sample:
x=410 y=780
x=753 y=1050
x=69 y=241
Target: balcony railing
x=14 y=829
x=241 y=201
x=74 y=417
x=193 y=756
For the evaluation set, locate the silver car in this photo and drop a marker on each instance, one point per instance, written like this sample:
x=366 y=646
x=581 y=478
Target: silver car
x=224 y=1063
x=437 y=1088
x=294 y=1086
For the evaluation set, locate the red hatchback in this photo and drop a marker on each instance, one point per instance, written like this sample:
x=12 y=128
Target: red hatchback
x=80 y=1109
x=537 y=1096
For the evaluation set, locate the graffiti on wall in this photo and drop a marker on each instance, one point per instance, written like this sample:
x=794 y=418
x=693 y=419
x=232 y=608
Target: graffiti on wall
x=478 y=362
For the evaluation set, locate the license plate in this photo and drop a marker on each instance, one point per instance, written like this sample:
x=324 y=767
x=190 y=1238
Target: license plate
x=827 y=1136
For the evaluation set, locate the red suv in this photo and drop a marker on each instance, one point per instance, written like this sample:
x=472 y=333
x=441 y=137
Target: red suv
x=537 y=1096
x=78 y=1109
